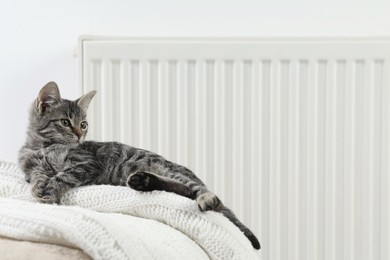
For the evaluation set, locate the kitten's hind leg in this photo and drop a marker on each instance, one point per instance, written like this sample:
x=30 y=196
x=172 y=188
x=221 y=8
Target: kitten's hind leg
x=209 y=201
x=147 y=181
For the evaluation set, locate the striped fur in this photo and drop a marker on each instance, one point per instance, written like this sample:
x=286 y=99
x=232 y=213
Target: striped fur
x=55 y=158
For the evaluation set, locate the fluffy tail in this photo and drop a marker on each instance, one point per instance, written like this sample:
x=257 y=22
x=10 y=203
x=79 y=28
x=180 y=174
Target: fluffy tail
x=230 y=215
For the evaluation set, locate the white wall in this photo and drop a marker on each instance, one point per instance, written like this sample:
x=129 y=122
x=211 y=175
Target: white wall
x=38 y=37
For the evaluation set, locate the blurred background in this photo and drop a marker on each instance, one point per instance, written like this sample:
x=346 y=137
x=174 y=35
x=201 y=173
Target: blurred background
x=39 y=38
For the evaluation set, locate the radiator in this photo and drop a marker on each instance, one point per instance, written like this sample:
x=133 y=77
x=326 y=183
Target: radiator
x=292 y=134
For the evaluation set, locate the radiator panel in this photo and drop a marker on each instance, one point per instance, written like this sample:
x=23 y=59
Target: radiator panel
x=293 y=135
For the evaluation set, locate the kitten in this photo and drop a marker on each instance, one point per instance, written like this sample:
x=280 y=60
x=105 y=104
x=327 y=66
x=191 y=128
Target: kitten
x=55 y=158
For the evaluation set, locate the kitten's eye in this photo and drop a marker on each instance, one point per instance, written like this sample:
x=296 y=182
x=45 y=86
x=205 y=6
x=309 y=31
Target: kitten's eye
x=84 y=125
x=65 y=122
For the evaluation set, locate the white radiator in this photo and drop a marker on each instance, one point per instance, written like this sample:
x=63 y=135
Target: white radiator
x=293 y=135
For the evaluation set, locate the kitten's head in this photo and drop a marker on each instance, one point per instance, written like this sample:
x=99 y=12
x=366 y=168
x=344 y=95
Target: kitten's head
x=57 y=120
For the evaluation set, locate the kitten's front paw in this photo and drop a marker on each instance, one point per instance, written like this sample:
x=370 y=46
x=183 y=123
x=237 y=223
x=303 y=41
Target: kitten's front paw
x=44 y=192
x=49 y=198
x=39 y=185
x=208 y=201
x=141 y=181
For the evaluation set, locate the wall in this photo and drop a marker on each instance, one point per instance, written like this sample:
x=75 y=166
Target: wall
x=39 y=37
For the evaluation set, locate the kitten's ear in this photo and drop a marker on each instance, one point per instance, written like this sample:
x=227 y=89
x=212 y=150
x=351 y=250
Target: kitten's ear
x=84 y=101
x=48 y=95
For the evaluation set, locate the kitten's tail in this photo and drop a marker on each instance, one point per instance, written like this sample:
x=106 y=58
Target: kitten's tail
x=230 y=215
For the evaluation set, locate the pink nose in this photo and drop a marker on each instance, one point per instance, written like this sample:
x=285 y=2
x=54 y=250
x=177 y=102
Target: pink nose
x=78 y=132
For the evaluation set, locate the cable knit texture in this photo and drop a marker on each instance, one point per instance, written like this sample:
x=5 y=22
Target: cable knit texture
x=110 y=222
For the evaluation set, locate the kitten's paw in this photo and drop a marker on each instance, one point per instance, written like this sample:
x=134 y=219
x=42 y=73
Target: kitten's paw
x=208 y=201
x=141 y=181
x=46 y=195
x=39 y=185
x=49 y=198
x=43 y=191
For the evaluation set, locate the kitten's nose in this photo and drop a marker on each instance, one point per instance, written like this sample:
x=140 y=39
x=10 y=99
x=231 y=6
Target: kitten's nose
x=78 y=132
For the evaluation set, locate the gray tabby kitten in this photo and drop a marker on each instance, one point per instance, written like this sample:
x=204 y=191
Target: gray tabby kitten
x=55 y=158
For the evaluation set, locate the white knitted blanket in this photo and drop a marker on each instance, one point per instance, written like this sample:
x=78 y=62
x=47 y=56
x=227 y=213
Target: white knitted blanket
x=109 y=222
